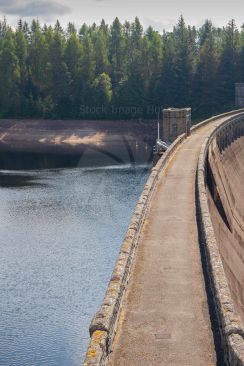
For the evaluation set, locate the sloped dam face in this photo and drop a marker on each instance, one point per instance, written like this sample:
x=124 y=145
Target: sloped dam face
x=225 y=180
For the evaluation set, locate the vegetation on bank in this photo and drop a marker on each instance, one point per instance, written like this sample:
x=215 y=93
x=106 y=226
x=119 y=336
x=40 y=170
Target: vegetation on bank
x=117 y=71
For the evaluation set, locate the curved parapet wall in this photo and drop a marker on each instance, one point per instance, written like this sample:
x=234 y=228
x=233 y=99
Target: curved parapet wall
x=221 y=214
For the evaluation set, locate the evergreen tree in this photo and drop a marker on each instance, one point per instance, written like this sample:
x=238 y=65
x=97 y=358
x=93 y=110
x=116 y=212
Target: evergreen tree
x=88 y=68
x=37 y=60
x=9 y=75
x=73 y=60
x=154 y=54
x=205 y=92
x=117 y=49
x=50 y=72
x=240 y=62
x=88 y=61
x=101 y=51
x=103 y=90
x=183 y=64
x=61 y=78
x=165 y=86
x=227 y=71
x=22 y=56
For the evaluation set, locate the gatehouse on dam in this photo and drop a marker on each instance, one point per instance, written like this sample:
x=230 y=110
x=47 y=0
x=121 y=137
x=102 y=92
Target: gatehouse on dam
x=176 y=295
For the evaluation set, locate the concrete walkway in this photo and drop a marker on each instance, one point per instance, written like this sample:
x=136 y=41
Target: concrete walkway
x=164 y=318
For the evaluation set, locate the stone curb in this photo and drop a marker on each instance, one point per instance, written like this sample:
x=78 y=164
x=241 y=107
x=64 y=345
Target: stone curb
x=104 y=323
x=232 y=331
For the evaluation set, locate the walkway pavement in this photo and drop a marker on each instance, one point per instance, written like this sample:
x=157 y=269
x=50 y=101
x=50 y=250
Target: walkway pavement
x=165 y=318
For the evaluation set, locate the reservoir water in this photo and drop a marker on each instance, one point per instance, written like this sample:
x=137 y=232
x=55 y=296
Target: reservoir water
x=60 y=234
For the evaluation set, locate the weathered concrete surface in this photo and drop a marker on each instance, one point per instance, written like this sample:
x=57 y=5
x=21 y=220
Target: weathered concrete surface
x=228 y=171
x=165 y=317
x=210 y=194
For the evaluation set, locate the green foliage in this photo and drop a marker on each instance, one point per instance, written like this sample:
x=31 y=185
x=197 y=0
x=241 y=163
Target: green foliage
x=227 y=71
x=102 y=90
x=9 y=75
x=103 y=71
x=205 y=78
x=117 y=52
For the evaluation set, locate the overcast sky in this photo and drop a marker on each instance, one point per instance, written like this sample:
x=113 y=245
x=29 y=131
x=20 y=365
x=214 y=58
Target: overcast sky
x=161 y=14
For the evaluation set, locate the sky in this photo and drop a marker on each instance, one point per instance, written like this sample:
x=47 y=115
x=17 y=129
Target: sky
x=161 y=14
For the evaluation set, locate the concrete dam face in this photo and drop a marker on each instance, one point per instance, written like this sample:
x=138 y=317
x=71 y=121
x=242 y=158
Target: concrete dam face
x=225 y=190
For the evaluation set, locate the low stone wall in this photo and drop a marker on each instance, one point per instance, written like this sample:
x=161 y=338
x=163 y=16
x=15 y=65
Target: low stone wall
x=231 y=328
x=104 y=323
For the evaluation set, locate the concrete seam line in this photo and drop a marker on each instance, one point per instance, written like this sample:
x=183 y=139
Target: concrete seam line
x=105 y=320
x=229 y=321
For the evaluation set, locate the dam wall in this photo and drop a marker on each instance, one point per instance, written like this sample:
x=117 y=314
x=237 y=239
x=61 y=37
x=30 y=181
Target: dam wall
x=225 y=178
x=104 y=324
x=220 y=199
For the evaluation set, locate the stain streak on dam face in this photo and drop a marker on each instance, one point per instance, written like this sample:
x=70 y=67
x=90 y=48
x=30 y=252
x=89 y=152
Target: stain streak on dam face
x=225 y=182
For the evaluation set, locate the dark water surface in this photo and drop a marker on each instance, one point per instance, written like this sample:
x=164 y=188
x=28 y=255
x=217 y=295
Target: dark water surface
x=60 y=233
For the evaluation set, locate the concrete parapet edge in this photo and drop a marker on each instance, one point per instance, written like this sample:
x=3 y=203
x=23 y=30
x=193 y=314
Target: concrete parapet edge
x=104 y=323
x=231 y=328
x=214 y=118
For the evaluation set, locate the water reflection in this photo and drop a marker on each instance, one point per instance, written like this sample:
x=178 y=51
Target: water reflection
x=122 y=151
x=12 y=180
x=60 y=235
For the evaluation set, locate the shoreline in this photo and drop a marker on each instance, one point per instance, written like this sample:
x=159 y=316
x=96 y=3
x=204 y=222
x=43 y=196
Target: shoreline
x=71 y=136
